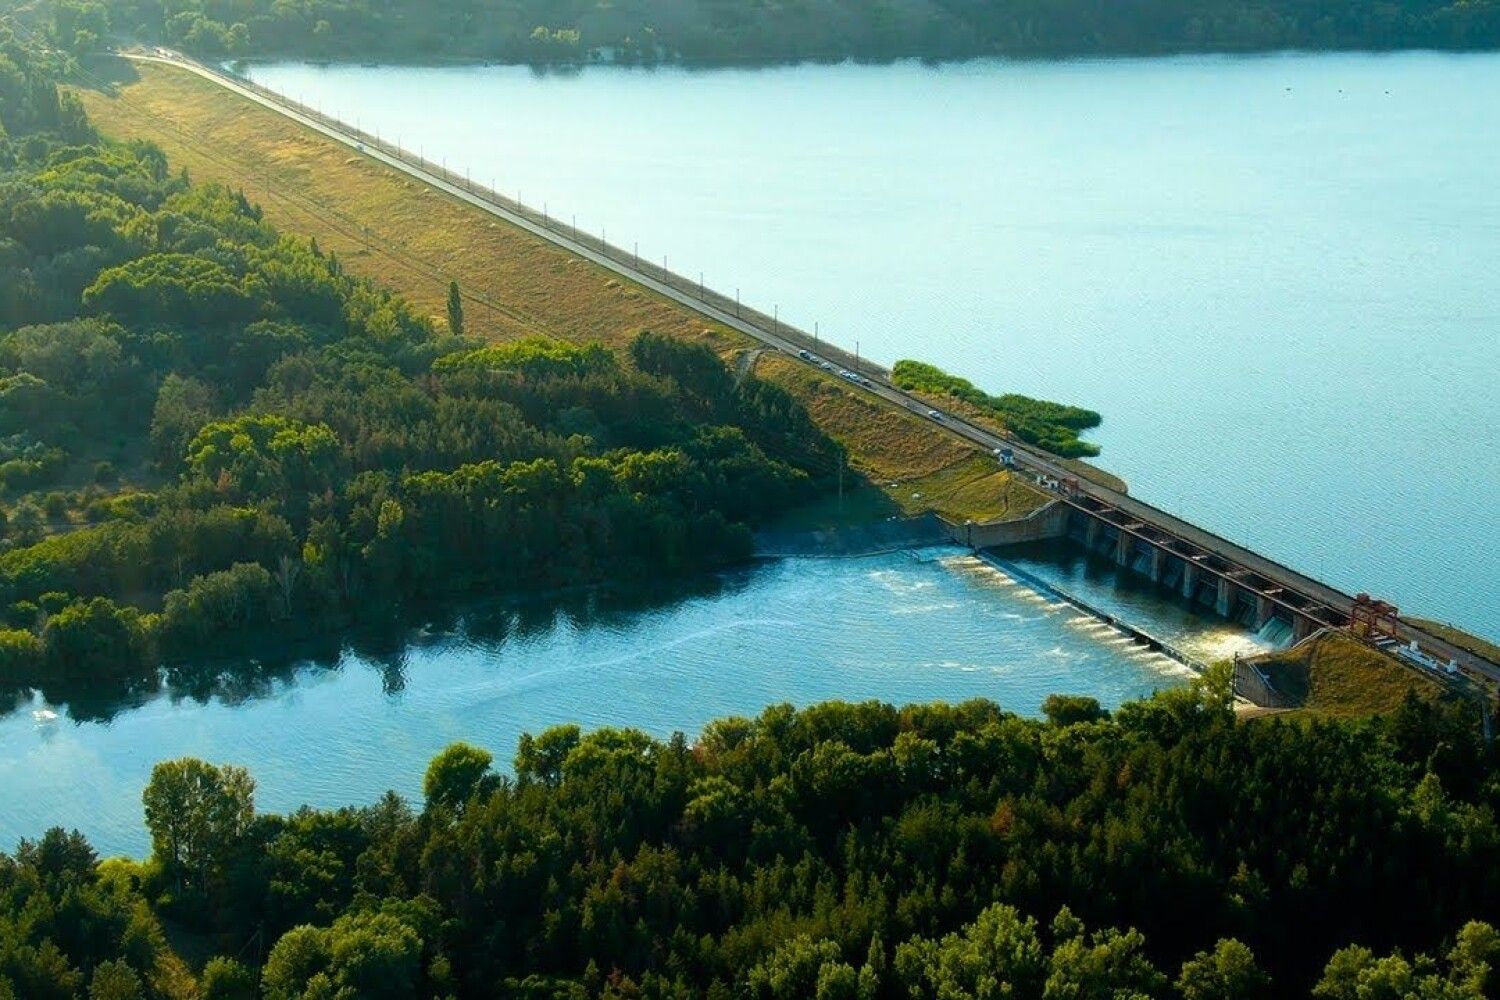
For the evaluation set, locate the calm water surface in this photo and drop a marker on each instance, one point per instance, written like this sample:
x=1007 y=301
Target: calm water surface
x=341 y=729
x=1275 y=276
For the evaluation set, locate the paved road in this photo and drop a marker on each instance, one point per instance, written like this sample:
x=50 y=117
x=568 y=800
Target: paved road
x=1031 y=460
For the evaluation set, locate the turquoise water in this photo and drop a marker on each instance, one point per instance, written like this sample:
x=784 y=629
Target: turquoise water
x=1275 y=276
x=344 y=726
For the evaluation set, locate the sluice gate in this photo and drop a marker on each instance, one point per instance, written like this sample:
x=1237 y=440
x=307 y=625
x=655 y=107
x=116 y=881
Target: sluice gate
x=1201 y=577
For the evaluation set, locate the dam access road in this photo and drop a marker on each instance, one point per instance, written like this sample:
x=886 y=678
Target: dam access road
x=1274 y=587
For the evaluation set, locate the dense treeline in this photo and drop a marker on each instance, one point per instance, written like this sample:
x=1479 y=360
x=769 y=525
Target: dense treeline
x=1053 y=426
x=299 y=443
x=732 y=30
x=839 y=852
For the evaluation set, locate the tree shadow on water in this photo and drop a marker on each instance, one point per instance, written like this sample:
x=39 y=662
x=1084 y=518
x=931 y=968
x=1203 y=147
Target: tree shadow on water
x=253 y=668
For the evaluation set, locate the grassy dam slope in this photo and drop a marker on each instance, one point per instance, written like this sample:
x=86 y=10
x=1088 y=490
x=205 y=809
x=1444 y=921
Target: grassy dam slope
x=415 y=240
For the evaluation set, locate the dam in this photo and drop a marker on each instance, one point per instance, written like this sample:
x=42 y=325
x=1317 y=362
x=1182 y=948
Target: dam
x=1207 y=569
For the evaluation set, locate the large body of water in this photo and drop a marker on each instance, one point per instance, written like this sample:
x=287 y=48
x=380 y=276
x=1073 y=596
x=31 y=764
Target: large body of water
x=343 y=727
x=1275 y=276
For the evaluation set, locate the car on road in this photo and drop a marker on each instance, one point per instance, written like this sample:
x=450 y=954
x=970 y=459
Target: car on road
x=934 y=414
x=804 y=356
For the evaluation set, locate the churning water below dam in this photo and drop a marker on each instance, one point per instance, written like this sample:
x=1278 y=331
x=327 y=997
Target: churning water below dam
x=342 y=726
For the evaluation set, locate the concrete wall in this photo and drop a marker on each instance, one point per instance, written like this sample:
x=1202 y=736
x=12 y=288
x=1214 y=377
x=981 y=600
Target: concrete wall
x=855 y=540
x=1049 y=521
x=1252 y=685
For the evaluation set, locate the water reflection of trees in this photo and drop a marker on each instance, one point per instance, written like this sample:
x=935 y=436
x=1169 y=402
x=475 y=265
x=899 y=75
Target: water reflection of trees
x=254 y=669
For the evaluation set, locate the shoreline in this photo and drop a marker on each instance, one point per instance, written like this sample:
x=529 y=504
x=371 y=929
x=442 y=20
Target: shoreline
x=544 y=67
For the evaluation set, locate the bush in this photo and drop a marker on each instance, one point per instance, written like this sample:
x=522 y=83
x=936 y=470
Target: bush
x=20 y=656
x=237 y=598
x=94 y=639
x=55 y=506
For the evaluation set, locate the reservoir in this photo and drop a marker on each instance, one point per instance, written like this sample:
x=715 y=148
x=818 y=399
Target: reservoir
x=339 y=726
x=1274 y=276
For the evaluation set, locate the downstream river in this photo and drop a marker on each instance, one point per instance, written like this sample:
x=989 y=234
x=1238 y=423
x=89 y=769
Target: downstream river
x=1275 y=276
x=341 y=726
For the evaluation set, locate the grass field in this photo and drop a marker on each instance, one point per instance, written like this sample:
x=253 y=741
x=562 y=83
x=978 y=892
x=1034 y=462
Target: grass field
x=1337 y=675
x=411 y=238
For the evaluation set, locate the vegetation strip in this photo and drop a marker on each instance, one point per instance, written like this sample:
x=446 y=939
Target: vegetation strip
x=570 y=32
x=1051 y=426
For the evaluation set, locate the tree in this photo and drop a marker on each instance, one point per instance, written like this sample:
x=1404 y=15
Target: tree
x=540 y=758
x=94 y=639
x=225 y=979
x=183 y=407
x=114 y=980
x=1107 y=963
x=803 y=969
x=258 y=455
x=1475 y=958
x=27 y=525
x=20 y=656
x=197 y=814
x=1066 y=710
x=241 y=597
x=1228 y=972
x=996 y=956
x=371 y=955
x=456 y=775
x=455 y=310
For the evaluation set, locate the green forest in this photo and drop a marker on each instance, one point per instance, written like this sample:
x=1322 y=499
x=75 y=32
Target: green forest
x=207 y=428
x=841 y=852
x=727 y=31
